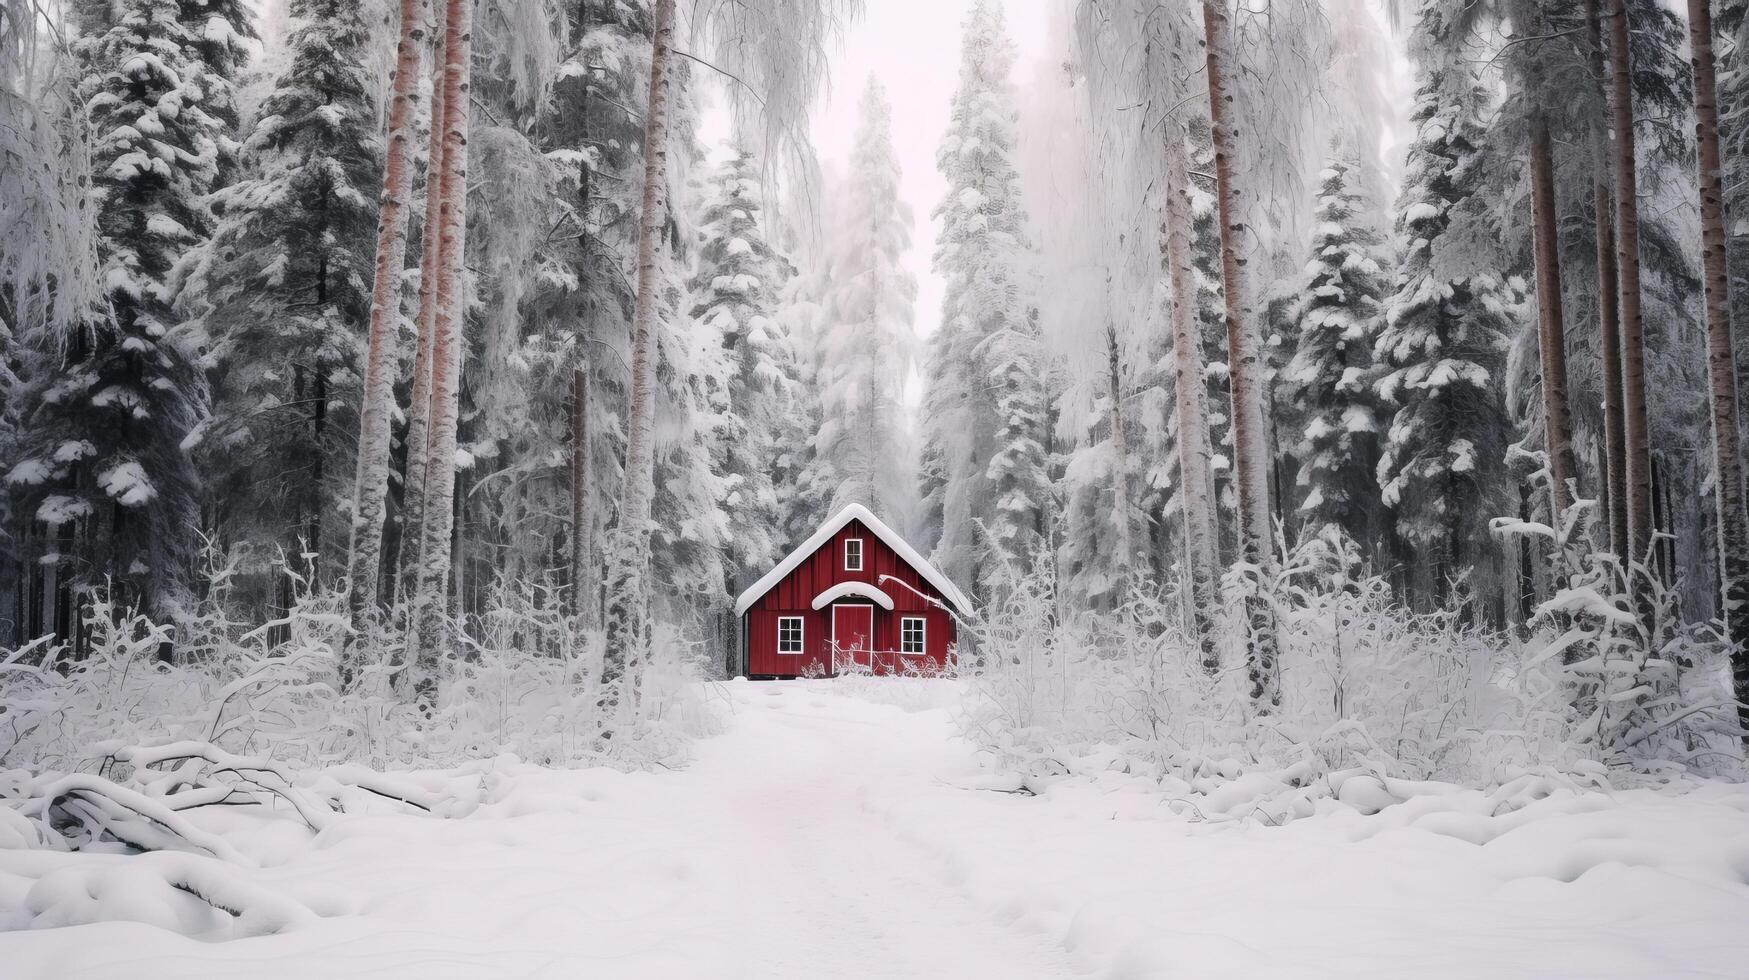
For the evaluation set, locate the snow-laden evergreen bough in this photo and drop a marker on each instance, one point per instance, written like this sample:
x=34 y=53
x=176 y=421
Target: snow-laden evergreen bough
x=986 y=489
x=867 y=344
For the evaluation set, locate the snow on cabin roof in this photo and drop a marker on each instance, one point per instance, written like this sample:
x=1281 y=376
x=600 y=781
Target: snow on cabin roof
x=854 y=512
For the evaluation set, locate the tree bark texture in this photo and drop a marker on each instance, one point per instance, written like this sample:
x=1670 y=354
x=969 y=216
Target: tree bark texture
x=1120 y=469
x=582 y=583
x=1637 y=471
x=629 y=550
x=1608 y=308
x=419 y=404
x=1551 y=322
x=1721 y=358
x=430 y=628
x=1195 y=466
x=371 y=482
x=1250 y=450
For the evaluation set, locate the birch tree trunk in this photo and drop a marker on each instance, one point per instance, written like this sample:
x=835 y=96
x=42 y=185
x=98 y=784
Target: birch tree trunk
x=371 y=483
x=1120 y=472
x=429 y=608
x=419 y=407
x=1721 y=359
x=582 y=590
x=628 y=556
x=1195 y=466
x=1637 y=470
x=1551 y=322
x=1608 y=310
x=1250 y=449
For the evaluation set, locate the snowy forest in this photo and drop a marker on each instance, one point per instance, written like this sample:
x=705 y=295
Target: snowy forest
x=1319 y=401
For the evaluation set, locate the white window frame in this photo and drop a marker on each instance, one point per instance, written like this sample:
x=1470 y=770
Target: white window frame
x=801 y=634
x=859 y=555
x=922 y=635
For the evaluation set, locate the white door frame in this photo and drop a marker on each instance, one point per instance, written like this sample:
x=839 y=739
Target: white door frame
x=871 y=628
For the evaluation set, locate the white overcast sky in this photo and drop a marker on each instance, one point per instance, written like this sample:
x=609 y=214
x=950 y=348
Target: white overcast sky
x=913 y=47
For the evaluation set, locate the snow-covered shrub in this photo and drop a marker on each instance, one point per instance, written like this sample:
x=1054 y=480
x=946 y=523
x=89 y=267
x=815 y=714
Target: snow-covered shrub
x=1368 y=687
x=1646 y=688
x=524 y=679
x=184 y=893
x=1368 y=683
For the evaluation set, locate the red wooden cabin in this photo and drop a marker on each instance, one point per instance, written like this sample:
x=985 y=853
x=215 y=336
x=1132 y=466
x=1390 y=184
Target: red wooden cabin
x=853 y=594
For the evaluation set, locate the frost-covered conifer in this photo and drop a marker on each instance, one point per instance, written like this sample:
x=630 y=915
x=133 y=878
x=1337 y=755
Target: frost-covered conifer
x=753 y=396
x=280 y=295
x=105 y=465
x=867 y=342
x=805 y=482
x=985 y=483
x=1336 y=417
x=222 y=30
x=1443 y=347
x=689 y=524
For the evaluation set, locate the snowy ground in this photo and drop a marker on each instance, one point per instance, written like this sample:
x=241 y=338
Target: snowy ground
x=829 y=835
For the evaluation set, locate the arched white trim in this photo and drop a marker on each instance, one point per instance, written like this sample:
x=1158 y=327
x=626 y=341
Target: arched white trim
x=860 y=590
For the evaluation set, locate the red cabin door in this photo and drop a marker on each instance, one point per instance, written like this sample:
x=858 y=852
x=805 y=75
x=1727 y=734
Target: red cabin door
x=853 y=636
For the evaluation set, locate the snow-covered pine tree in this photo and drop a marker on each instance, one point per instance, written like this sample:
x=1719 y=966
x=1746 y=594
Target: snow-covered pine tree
x=985 y=484
x=49 y=272
x=105 y=466
x=689 y=526
x=867 y=344
x=805 y=481
x=1337 y=418
x=279 y=298
x=1019 y=472
x=222 y=30
x=735 y=295
x=1443 y=346
x=519 y=376
x=579 y=299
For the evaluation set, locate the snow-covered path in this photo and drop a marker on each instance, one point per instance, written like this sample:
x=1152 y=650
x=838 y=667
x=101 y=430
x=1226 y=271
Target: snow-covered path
x=840 y=829
x=831 y=888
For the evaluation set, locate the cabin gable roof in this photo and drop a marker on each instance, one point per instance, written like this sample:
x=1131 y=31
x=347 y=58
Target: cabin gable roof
x=823 y=536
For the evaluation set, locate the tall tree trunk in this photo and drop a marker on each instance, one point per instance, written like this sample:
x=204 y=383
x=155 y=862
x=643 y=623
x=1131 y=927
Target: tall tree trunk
x=319 y=476
x=1635 y=429
x=1608 y=307
x=1551 y=322
x=582 y=585
x=435 y=542
x=629 y=551
x=1721 y=359
x=371 y=482
x=1120 y=470
x=419 y=404
x=1244 y=372
x=1196 y=485
x=585 y=587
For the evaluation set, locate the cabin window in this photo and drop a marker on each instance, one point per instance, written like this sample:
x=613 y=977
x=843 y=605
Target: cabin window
x=853 y=554
x=911 y=634
x=789 y=634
